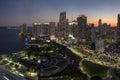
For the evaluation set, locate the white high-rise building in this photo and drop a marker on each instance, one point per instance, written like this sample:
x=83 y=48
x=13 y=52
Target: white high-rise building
x=36 y=30
x=40 y=30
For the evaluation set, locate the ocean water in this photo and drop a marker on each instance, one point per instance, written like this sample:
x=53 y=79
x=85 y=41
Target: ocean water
x=10 y=42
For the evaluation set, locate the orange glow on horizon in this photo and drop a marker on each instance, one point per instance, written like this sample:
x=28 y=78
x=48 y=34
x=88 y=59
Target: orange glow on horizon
x=94 y=21
x=113 y=23
x=82 y=15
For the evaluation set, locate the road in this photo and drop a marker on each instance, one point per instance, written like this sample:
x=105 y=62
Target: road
x=7 y=75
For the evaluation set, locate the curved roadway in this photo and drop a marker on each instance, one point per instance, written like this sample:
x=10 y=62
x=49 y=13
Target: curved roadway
x=7 y=75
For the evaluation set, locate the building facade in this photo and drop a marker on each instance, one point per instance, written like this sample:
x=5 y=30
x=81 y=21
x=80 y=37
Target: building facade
x=52 y=30
x=118 y=28
x=23 y=29
x=40 y=30
x=63 y=26
x=93 y=35
x=82 y=29
x=36 y=30
x=100 y=27
x=44 y=29
x=72 y=31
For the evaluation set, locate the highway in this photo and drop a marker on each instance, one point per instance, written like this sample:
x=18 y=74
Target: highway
x=7 y=75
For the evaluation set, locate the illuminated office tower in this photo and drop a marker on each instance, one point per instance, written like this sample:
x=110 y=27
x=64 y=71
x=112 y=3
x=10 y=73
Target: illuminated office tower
x=72 y=27
x=36 y=30
x=52 y=30
x=41 y=30
x=82 y=28
x=62 y=26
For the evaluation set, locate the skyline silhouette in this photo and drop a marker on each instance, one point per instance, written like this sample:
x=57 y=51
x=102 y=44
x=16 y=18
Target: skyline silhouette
x=17 y=12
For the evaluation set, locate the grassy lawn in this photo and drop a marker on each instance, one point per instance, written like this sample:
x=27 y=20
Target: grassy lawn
x=92 y=69
x=70 y=73
x=50 y=69
x=61 y=63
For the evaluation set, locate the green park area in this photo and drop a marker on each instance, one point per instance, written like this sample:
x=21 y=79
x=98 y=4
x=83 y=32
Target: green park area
x=92 y=69
x=56 y=56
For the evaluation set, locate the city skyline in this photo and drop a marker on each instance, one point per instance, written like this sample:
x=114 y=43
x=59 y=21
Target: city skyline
x=15 y=13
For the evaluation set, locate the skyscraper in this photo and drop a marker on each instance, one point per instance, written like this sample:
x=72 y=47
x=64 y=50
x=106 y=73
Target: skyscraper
x=92 y=33
x=41 y=30
x=44 y=30
x=62 y=26
x=118 y=20
x=100 y=26
x=23 y=30
x=118 y=27
x=82 y=28
x=62 y=16
x=104 y=28
x=73 y=28
x=52 y=29
x=36 y=30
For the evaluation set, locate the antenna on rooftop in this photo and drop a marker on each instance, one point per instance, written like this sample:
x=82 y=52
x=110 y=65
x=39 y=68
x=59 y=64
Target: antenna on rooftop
x=72 y=17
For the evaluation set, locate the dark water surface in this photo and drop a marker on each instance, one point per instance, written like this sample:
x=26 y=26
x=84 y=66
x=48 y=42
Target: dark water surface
x=10 y=42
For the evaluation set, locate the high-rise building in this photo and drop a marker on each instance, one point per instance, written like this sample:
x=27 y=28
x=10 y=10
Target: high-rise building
x=41 y=30
x=104 y=29
x=82 y=28
x=36 y=30
x=63 y=26
x=118 y=20
x=118 y=28
x=57 y=31
x=62 y=16
x=93 y=33
x=23 y=30
x=73 y=28
x=52 y=30
x=44 y=29
x=100 y=26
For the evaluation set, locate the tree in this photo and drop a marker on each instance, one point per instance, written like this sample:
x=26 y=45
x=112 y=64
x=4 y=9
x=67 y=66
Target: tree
x=16 y=65
x=96 y=78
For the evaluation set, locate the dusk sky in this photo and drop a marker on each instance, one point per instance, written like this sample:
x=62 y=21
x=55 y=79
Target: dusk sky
x=17 y=12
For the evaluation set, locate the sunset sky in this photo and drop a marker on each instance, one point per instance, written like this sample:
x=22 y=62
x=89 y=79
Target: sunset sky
x=17 y=12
